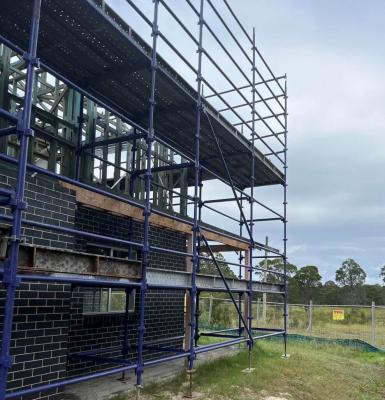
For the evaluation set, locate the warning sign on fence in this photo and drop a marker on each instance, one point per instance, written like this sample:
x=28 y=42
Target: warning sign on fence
x=338 y=315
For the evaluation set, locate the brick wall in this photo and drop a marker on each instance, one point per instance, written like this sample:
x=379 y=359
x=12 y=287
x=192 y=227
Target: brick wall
x=163 y=320
x=95 y=332
x=164 y=308
x=49 y=323
x=48 y=202
x=49 y=319
x=95 y=221
x=39 y=338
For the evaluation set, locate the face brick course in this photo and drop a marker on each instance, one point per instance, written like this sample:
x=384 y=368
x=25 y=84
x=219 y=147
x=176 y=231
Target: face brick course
x=47 y=202
x=40 y=335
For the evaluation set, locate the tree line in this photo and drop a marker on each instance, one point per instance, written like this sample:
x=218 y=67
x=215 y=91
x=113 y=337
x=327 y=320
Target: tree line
x=305 y=283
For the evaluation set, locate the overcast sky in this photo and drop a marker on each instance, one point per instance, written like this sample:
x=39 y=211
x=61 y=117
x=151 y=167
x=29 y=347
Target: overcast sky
x=334 y=54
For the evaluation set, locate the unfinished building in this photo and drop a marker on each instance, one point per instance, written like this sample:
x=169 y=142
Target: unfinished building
x=109 y=160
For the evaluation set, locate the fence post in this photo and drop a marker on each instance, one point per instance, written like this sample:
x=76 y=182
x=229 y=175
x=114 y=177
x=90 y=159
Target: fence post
x=210 y=308
x=373 y=323
x=310 y=327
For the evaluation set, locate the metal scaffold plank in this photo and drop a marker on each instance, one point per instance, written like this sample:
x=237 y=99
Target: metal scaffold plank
x=126 y=48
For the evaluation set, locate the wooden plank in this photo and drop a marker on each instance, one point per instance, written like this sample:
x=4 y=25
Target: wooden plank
x=219 y=248
x=101 y=202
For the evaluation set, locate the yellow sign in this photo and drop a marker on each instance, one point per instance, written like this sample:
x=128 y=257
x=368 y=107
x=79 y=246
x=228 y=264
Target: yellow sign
x=338 y=315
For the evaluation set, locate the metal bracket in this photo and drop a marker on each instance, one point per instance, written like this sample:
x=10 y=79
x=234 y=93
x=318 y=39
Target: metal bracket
x=17 y=203
x=34 y=61
x=20 y=130
x=147 y=212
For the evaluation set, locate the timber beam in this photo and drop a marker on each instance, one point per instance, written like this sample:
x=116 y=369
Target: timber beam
x=94 y=200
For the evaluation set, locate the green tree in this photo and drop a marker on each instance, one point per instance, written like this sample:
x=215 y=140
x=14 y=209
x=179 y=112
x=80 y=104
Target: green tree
x=308 y=277
x=375 y=293
x=307 y=280
x=382 y=274
x=275 y=265
x=330 y=293
x=208 y=267
x=350 y=274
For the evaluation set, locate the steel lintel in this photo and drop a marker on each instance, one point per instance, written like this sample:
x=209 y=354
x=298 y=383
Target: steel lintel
x=208 y=282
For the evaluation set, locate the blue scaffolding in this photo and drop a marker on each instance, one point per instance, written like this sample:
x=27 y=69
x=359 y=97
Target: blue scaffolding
x=205 y=154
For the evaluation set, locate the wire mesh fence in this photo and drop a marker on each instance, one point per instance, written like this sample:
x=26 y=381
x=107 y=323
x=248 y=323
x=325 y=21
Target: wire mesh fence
x=366 y=323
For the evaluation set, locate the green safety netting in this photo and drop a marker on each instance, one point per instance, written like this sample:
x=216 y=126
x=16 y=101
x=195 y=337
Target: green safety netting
x=293 y=337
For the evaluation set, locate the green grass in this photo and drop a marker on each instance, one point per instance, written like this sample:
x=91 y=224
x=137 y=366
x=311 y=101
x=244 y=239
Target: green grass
x=313 y=372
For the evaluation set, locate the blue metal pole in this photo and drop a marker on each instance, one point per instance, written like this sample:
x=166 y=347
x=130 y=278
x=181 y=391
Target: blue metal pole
x=197 y=312
x=7 y=115
x=125 y=346
x=209 y=347
x=133 y=163
x=147 y=206
x=197 y=168
x=241 y=258
x=286 y=308
x=79 y=138
x=81 y=281
x=250 y=261
x=71 y=381
x=95 y=375
x=197 y=307
x=7 y=131
x=10 y=280
x=131 y=191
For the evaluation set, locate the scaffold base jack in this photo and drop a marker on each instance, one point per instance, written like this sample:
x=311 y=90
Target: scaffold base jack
x=138 y=391
x=249 y=369
x=190 y=373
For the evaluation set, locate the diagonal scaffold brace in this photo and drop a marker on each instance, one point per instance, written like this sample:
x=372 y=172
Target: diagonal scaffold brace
x=249 y=229
x=234 y=301
x=218 y=146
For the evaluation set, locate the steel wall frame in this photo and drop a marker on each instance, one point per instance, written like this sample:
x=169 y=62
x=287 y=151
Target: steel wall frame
x=15 y=198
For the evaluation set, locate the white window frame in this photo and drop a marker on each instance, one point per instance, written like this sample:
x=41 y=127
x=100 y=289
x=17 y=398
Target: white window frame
x=131 y=303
